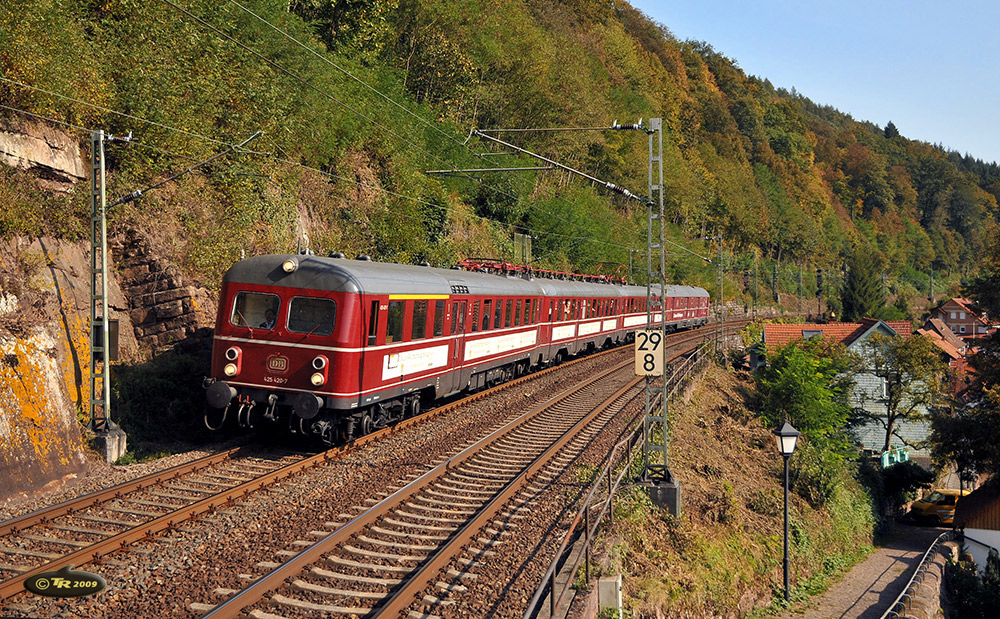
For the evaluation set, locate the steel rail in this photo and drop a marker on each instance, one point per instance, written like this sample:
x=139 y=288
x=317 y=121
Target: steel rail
x=403 y=597
x=918 y=574
x=95 y=552
x=120 y=541
x=234 y=606
x=94 y=499
x=146 y=530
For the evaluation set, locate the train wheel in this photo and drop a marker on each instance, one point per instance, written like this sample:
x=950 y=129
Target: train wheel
x=367 y=424
x=415 y=407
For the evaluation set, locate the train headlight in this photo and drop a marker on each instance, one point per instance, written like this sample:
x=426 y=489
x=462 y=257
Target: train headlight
x=289 y=266
x=235 y=358
x=322 y=367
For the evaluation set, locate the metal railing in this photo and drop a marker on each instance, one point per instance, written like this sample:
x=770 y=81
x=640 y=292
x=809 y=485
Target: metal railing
x=905 y=599
x=583 y=523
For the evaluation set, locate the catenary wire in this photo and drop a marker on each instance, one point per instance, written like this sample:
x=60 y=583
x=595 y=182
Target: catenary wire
x=348 y=107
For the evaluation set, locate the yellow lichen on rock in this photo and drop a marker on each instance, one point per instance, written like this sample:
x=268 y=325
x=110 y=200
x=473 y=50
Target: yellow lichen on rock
x=39 y=437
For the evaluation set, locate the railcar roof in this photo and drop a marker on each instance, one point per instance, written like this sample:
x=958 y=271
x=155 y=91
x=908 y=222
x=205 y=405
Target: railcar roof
x=383 y=278
x=369 y=277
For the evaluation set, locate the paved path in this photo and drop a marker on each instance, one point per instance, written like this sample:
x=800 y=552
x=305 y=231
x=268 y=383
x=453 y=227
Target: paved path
x=866 y=591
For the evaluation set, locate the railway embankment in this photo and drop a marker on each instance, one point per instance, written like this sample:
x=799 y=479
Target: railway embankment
x=723 y=556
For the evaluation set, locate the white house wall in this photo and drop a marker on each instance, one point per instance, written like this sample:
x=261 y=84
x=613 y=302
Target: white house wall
x=978 y=542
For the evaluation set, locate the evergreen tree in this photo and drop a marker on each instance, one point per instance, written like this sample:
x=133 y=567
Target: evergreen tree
x=891 y=131
x=862 y=295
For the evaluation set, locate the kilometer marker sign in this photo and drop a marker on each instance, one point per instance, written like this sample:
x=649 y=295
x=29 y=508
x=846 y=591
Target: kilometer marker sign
x=649 y=353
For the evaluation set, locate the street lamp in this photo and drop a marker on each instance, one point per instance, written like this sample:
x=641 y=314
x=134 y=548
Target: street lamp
x=785 y=437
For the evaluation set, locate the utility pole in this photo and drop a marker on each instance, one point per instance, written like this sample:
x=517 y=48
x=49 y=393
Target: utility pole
x=665 y=490
x=720 y=309
x=819 y=293
x=799 y=304
x=774 y=281
x=111 y=437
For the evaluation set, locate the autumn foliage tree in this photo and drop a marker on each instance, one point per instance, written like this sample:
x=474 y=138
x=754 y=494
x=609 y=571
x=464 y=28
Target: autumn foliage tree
x=912 y=373
x=808 y=382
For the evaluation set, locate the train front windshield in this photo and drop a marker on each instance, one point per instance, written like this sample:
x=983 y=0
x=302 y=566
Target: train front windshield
x=256 y=310
x=312 y=316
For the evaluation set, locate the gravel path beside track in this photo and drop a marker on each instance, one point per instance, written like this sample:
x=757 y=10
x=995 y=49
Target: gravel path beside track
x=867 y=590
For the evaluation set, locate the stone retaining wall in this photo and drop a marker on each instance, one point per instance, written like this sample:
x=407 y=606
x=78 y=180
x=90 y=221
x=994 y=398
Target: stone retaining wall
x=163 y=307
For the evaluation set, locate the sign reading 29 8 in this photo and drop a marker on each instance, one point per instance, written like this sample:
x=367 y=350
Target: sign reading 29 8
x=648 y=353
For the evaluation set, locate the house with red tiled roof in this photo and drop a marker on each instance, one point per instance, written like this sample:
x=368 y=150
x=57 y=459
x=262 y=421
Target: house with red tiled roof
x=962 y=319
x=848 y=333
x=938 y=327
x=869 y=390
x=953 y=351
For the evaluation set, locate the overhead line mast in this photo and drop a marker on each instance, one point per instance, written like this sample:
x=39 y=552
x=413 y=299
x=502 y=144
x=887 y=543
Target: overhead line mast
x=664 y=488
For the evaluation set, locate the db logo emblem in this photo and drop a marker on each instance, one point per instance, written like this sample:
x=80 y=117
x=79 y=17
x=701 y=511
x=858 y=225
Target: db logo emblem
x=277 y=364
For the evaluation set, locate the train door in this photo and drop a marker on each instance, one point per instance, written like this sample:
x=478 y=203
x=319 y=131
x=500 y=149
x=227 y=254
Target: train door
x=459 y=309
x=370 y=341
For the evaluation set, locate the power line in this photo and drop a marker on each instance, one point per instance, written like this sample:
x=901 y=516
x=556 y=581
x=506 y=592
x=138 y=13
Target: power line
x=368 y=86
x=382 y=95
x=305 y=82
x=299 y=79
x=115 y=112
x=40 y=117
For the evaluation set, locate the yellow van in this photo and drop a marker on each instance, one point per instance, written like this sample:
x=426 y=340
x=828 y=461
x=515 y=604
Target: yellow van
x=938 y=507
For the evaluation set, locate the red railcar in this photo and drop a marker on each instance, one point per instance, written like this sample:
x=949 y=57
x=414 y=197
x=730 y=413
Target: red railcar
x=335 y=348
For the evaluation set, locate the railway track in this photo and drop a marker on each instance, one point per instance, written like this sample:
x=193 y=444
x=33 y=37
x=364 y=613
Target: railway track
x=420 y=545
x=90 y=528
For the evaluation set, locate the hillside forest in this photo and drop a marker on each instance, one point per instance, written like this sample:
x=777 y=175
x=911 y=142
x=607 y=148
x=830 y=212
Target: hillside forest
x=357 y=99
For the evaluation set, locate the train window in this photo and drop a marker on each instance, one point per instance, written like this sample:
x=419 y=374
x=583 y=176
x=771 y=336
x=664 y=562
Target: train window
x=373 y=323
x=475 y=316
x=394 y=321
x=517 y=312
x=256 y=310
x=311 y=316
x=498 y=314
x=454 y=318
x=527 y=311
x=438 y=318
x=418 y=328
x=508 y=315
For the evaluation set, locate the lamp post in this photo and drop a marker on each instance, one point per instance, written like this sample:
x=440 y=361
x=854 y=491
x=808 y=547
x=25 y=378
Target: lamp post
x=785 y=437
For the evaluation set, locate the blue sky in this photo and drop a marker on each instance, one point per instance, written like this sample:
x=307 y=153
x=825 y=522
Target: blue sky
x=932 y=68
